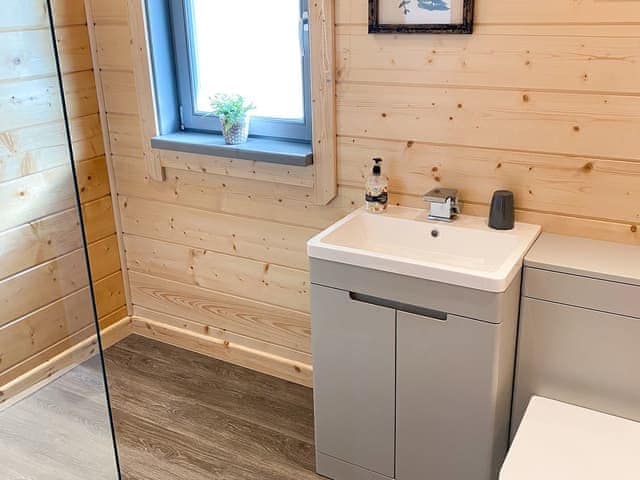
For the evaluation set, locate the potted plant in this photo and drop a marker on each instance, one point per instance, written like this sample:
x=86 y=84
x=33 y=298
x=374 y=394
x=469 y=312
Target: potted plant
x=232 y=110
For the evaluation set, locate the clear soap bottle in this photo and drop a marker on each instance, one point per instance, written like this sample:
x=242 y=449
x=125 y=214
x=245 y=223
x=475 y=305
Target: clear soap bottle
x=376 y=189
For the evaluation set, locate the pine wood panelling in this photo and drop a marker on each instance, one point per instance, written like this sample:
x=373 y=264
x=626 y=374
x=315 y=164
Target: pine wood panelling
x=51 y=362
x=38 y=367
x=558 y=11
x=35 y=196
x=38 y=241
x=98 y=219
x=86 y=137
x=45 y=327
x=523 y=12
x=25 y=54
x=546 y=182
x=114 y=47
x=323 y=91
x=571 y=123
x=250 y=169
x=251 y=318
x=91 y=19
x=113 y=11
x=124 y=135
x=233 y=196
x=116 y=331
x=227 y=338
x=24 y=14
x=610 y=230
x=28 y=102
x=80 y=93
x=32 y=149
x=561 y=29
x=73 y=48
x=112 y=319
x=119 y=92
x=93 y=179
x=68 y=12
x=109 y=293
x=140 y=48
x=239 y=276
x=104 y=257
x=18 y=164
x=37 y=136
x=48 y=364
x=601 y=64
x=45 y=283
x=244 y=237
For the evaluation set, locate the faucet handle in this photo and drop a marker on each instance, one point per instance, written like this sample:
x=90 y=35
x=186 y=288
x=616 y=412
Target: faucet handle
x=443 y=203
x=441 y=195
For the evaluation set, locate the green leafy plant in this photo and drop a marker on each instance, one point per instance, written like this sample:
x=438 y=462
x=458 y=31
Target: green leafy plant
x=230 y=108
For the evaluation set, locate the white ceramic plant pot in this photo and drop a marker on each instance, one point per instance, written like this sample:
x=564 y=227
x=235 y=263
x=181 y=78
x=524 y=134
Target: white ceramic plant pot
x=238 y=133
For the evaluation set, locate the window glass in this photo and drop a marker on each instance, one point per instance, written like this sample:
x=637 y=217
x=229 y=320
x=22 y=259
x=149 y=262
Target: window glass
x=252 y=48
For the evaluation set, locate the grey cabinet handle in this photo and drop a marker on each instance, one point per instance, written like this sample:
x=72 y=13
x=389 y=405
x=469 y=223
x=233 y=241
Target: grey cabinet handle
x=403 y=307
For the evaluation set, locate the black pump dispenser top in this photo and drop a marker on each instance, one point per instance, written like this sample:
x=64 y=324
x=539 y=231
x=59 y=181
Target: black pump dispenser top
x=376 y=168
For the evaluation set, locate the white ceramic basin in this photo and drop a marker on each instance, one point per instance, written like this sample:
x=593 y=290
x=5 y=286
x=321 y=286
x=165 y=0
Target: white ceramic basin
x=465 y=252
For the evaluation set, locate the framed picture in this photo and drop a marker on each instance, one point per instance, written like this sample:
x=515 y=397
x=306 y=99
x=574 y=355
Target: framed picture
x=420 y=16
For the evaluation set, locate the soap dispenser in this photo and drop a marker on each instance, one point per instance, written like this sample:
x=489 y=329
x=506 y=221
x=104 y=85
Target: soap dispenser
x=376 y=189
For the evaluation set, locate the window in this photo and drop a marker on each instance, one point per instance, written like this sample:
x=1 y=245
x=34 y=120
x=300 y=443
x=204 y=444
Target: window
x=256 y=48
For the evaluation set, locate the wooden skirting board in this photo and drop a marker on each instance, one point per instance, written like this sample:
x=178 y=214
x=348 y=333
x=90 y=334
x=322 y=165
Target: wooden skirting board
x=47 y=371
x=214 y=346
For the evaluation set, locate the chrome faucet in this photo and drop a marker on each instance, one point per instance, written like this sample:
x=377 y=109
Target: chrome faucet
x=444 y=204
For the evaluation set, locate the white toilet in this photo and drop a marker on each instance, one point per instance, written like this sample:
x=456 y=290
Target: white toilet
x=578 y=343
x=558 y=441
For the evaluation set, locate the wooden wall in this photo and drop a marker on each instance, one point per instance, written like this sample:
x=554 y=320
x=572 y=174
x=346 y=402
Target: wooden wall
x=45 y=307
x=543 y=99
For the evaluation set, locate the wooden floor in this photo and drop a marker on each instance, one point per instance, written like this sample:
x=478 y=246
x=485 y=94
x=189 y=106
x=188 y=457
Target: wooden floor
x=184 y=416
x=61 y=431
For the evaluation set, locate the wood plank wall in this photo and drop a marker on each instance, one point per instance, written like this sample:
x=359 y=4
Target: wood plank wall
x=45 y=306
x=543 y=99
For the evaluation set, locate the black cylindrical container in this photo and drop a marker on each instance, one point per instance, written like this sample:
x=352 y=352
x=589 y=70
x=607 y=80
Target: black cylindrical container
x=501 y=215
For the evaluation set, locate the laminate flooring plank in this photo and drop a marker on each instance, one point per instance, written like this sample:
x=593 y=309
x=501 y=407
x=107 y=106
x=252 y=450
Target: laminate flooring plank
x=230 y=440
x=184 y=416
x=258 y=398
x=151 y=451
x=59 y=432
x=214 y=371
x=178 y=415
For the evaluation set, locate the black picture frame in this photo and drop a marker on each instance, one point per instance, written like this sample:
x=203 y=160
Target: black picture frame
x=466 y=27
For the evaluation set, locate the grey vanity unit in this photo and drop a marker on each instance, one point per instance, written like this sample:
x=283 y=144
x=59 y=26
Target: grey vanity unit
x=579 y=337
x=412 y=378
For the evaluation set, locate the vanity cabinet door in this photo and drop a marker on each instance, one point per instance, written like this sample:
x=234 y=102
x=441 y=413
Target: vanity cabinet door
x=447 y=385
x=354 y=379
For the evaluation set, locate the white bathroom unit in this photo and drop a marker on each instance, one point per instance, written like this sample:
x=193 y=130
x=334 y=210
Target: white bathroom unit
x=576 y=410
x=579 y=337
x=413 y=368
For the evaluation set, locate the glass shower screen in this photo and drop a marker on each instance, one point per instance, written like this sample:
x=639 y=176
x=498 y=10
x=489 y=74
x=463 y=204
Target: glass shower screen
x=54 y=415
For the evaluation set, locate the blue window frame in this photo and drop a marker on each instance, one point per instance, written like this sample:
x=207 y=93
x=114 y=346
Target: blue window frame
x=284 y=111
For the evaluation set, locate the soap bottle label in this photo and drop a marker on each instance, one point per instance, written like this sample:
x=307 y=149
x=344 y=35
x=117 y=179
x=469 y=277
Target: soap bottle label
x=376 y=198
x=380 y=198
